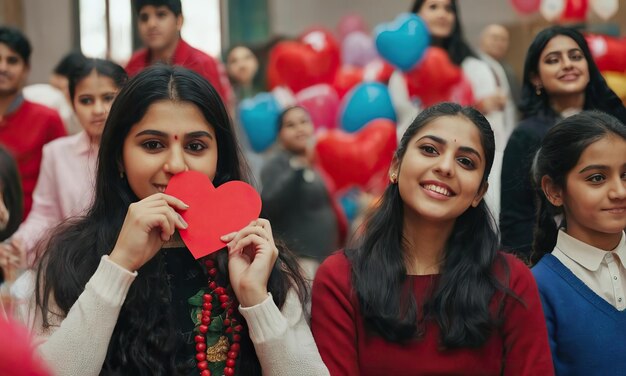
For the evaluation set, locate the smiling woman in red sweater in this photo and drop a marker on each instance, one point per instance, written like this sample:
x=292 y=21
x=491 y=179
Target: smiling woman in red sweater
x=425 y=290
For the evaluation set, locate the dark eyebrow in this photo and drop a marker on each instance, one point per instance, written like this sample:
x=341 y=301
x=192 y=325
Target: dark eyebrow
x=199 y=134
x=593 y=167
x=465 y=149
x=151 y=132
x=196 y=134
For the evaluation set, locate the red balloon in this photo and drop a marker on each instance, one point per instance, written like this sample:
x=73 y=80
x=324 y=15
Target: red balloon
x=313 y=59
x=433 y=78
x=462 y=93
x=362 y=158
x=322 y=103
x=608 y=53
x=346 y=78
x=526 y=6
x=18 y=356
x=575 y=10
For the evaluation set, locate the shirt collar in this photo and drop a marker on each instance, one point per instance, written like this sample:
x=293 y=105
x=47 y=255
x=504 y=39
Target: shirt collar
x=82 y=143
x=586 y=255
x=15 y=104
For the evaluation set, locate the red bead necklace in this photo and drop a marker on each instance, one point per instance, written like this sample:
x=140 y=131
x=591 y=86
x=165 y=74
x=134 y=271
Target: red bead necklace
x=233 y=328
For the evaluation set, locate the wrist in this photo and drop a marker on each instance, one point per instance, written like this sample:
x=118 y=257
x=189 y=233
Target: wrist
x=251 y=298
x=122 y=261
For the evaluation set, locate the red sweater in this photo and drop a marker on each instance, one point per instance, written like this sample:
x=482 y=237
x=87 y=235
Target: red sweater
x=24 y=132
x=190 y=58
x=519 y=347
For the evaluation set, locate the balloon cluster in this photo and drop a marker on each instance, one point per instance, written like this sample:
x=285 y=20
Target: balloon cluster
x=610 y=57
x=567 y=10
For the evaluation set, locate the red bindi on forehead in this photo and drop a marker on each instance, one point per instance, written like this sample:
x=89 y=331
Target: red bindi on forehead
x=175 y=137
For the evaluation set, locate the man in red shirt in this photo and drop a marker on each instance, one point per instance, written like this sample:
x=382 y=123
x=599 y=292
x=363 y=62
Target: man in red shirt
x=159 y=23
x=25 y=127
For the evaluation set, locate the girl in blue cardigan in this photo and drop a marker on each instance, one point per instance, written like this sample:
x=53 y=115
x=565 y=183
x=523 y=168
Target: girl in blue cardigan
x=581 y=169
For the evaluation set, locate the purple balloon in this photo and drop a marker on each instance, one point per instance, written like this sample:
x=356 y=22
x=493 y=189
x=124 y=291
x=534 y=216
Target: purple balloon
x=358 y=49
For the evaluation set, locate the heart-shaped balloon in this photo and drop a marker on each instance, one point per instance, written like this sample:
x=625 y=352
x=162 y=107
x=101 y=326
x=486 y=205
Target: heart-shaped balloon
x=378 y=70
x=364 y=103
x=313 y=59
x=433 y=79
x=605 y=8
x=213 y=212
x=608 y=53
x=552 y=9
x=346 y=78
x=322 y=103
x=526 y=6
x=575 y=10
x=259 y=119
x=362 y=158
x=358 y=49
x=403 y=41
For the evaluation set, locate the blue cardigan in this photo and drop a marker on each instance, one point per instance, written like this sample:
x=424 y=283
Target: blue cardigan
x=587 y=334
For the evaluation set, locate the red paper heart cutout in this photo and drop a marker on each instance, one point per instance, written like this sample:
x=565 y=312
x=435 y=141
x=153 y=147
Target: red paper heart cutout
x=212 y=212
x=362 y=158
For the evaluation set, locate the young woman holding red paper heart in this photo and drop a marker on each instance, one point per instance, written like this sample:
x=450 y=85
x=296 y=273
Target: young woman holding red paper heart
x=425 y=290
x=118 y=292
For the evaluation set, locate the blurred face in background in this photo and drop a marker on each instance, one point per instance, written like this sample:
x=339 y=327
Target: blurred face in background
x=439 y=17
x=242 y=65
x=13 y=71
x=494 y=41
x=159 y=27
x=296 y=131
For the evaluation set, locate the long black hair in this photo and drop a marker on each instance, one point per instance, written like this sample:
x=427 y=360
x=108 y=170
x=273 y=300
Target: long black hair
x=598 y=95
x=13 y=197
x=559 y=153
x=460 y=302
x=102 y=67
x=143 y=339
x=455 y=44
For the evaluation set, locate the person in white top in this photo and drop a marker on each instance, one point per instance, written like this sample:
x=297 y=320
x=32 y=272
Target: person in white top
x=55 y=94
x=443 y=23
x=582 y=217
x=118 y=292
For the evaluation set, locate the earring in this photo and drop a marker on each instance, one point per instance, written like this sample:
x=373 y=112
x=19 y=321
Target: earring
x=394 y=178
x=121 y=174
x=538 y=90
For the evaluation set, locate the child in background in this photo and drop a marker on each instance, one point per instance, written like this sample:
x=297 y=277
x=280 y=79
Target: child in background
x=581 y=273
x=65 y=186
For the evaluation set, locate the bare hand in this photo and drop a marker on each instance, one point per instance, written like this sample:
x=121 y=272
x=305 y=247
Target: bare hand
x=148 y=224
x=251 y=257
x=12 y=257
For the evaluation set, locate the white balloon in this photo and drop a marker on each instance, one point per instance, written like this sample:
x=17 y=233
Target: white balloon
x=552 y=9
x=605 y=8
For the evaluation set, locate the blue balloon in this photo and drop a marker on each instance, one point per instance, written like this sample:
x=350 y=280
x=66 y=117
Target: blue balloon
x=364 y=103
x=403 y=41
x=259 y=119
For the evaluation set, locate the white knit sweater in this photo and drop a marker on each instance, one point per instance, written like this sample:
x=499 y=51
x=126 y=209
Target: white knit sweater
x=77 y=344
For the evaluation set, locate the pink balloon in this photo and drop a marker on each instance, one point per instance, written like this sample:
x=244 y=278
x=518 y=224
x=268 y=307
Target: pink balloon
x=322 y=103
x=349 y=23
x=358 y=49
x=526 y=6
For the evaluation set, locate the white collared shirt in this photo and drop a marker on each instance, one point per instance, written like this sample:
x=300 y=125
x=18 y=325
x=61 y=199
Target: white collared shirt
x=602 y=271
